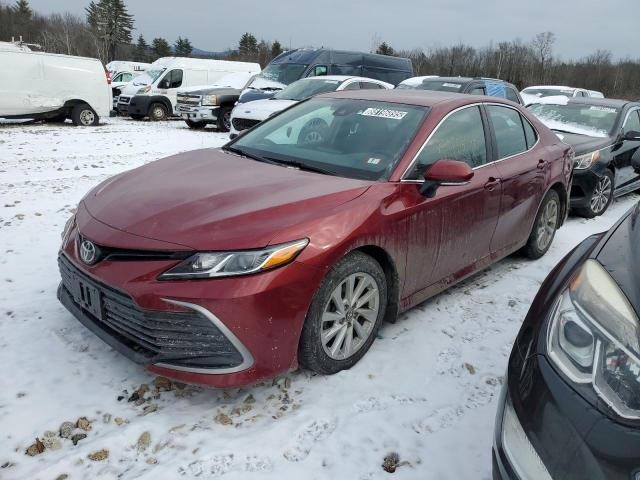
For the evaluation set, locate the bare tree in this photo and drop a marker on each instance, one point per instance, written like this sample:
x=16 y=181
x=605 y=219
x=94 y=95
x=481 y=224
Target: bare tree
x=543 y=45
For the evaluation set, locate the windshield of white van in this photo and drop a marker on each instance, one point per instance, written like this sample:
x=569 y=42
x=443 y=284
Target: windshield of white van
x=284 y=73
x=148 y=77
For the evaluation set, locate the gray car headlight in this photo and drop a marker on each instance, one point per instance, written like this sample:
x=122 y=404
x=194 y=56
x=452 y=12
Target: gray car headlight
x=229 y=264
x=582 y=162
x=594 y=338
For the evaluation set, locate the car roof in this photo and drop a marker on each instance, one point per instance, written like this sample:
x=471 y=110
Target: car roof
x=421 y=98
x=601 y=102
x=551 y=87
x=467 y=79
x=342 y=78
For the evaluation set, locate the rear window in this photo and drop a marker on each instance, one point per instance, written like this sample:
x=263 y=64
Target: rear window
x=440 y=86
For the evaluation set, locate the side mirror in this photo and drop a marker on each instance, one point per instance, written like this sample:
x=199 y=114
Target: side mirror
x=632 y=135
x=445 y=172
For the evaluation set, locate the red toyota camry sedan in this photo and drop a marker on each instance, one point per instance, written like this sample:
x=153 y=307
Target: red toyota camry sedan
x=294 y=242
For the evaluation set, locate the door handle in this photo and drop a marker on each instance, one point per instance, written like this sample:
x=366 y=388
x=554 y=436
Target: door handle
x=492 y=183
x=542 y=164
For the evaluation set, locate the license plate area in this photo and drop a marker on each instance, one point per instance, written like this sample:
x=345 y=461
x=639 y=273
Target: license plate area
x=87 y=296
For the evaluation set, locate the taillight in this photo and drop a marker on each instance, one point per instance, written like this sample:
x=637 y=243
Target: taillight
x=108 y=77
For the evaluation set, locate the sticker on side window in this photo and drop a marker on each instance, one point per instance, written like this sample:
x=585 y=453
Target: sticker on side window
x=603 y=109
x=452 y=85
x=384 y=113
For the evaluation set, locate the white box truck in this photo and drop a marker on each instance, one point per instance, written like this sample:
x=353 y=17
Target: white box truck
x=154 y=92
x=54 y=87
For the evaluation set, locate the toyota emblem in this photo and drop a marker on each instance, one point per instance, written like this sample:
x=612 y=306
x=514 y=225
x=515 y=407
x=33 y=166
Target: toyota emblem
x=88 y=252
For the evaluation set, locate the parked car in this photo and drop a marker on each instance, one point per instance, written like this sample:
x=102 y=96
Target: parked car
x=226 y=267
x=570 y=406
x=605 y=134
x=250 y=114
x=533 y=94
x=153 y=94
x=122 y=72
x=314 y=62
x=473 y=86
x=202 y=106
x=413 y=82
x=52 y=87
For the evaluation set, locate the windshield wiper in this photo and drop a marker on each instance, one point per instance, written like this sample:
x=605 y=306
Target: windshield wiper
x=242 y=153
x=301 y=166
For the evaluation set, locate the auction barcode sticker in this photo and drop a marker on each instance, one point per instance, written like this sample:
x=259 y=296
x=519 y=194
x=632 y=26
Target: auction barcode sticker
x=603 y=109
x=384 y=113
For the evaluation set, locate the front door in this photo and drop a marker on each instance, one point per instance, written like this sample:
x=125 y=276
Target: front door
x=450 y=234
x=626 y=155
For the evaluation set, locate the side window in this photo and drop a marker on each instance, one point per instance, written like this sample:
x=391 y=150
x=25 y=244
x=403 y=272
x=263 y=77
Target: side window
x=173 y=79
x=126 y=77
x=529 y=133
x=320 y=70
x=632 y=122
x=352 y=86
x=477 y=91
x=370 y=86
x=512 y=95
x=507 y=125
x=118 y=78
x=459 y=137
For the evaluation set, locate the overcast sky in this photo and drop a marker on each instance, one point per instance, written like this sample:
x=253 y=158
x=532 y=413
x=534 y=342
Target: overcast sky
x=581 y=27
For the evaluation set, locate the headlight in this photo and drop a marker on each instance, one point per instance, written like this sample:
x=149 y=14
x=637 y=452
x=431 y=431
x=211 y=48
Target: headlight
x=594 y=337
x=228 y=264
x=67 y=228
x=582 y=162
x=209 y=100
x=143 y=90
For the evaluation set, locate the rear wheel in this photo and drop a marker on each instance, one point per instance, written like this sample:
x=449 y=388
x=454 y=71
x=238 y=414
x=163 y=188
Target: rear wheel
x=196 y=125
x=224 y=119
x=544 y=227
x=157 y=112
x=83 y=115
x=601 y=197
x=345 y=315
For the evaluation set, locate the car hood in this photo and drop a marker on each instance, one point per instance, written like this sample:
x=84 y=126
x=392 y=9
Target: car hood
x=262 y=109
x=620 y=251
x=584 y=143
x=213 y=200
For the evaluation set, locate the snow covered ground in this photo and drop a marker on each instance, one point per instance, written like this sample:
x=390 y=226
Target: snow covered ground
x=426 y=390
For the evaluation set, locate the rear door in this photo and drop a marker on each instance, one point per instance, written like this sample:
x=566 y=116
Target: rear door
x=627 y=154
x=450 y=234
x=522 y=166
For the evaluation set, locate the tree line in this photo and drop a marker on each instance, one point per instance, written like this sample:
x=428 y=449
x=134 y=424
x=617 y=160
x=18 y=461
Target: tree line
x=105 y=32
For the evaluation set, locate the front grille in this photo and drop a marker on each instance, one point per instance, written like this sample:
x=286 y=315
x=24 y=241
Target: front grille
x=186 y=339
x=124 y=100
x=244 y=123
x=191 y=100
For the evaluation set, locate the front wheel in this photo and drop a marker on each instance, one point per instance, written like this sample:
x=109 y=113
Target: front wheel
x=345 y=315
x=601 y=197
x=544 y=227
x=83 y=115
x=224 y=119
x=157 y=112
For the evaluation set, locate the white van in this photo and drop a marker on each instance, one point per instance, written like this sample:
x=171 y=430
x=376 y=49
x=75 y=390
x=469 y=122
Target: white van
x=154 y=93
x=122 y=73
x=53 y=87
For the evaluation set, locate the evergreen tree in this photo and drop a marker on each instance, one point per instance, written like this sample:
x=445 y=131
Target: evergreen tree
x=111 y=23
x=160 y=48
x=22 y=16
x=248 y=46
x=182 y=47
x=141 y=50
x=385 y=49
x=22 y=9
x=276 y=49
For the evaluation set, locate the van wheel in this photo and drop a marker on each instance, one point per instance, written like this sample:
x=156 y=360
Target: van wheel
x=83 y=115
x=224 y=119
x=196 y=125
x=344 y=316
x=157 y=112
x=135 y=116
x=544 y=227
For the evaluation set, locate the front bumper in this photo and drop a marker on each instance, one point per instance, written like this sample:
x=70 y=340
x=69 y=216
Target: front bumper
x=584 y=183
x=198 y=113
x=247 y=328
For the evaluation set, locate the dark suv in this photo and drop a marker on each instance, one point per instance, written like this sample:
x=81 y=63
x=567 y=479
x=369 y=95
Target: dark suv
x=473 y=86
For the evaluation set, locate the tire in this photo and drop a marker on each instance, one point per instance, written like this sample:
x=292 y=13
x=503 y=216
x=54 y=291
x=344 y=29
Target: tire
x=157 y=112
x=314 y=131
x=224 y=119
x=600 y=198
x=83 y=115
x=135 y=116
x=195 y=125
x=326 y=316
x=544 y=227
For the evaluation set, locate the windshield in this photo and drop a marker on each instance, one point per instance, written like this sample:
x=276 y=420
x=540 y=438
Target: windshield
x=438 y=85
x=307 y=87
x=591 y=120
x=284 y=73
x=148 y=77
x=351 y=138
x=548 y=92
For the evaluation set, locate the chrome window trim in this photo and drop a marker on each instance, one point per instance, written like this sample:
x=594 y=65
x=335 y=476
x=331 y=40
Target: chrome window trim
x=477 y=104
x=247 y=358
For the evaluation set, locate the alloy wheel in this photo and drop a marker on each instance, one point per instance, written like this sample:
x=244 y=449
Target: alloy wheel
x=87 y=117
x=226 y=120
x=350 y=315
x=601 y=195
x=547 y=224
